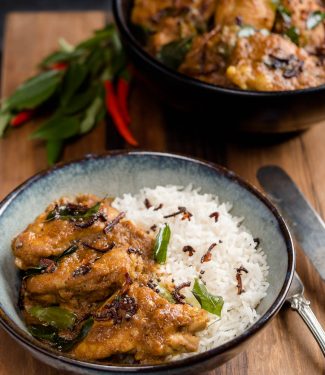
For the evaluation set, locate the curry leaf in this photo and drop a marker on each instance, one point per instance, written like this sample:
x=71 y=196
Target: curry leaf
x=90 y=118
x=285 y=14
x=60 y=56
x=79 y=101
x=55 y=316
x=161 y=244
x=33 y=271
x=209 y=302
x=293 y=34
x=173 y=53
x=51 y=335
x=58 y=127
x=35 y=91
x=66 y=345
x=314 y=19
x=4 y=122
x=65 y=46
x=54 y=150
x=70 y=250
x=47 y=333
x=101 y=114
x=73 y=79
x=96 y=60
x=100 y=36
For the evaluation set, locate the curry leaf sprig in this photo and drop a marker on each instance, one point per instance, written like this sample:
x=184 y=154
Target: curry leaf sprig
x=72 y=87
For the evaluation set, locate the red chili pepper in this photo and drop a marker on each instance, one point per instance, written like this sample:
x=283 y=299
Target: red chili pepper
x=59 y=66
x=114 y=110
x=21 y=118
x=123 y=89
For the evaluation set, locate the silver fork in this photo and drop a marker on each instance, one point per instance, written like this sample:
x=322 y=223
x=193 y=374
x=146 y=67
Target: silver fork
x=300 y=304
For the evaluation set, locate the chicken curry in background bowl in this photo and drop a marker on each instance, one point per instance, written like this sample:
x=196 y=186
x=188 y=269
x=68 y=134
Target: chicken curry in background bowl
x=263 y=45
x=263 y=57
x=107 y=268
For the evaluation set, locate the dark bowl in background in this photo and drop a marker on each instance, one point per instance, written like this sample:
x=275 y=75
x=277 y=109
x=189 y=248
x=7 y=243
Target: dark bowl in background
x=235 y=109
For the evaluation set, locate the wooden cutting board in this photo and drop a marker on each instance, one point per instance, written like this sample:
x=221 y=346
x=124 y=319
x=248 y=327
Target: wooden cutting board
x=285 y=346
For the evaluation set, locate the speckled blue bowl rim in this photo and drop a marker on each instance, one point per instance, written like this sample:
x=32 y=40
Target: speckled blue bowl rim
x=28 y=340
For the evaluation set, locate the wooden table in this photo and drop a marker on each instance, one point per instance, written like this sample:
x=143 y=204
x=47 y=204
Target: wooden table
x=285 y=346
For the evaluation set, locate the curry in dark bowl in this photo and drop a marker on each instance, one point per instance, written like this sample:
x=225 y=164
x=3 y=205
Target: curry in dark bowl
x=264 y=45
x=247 y=63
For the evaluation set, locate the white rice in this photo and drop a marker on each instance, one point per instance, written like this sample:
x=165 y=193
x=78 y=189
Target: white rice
x=235 y=247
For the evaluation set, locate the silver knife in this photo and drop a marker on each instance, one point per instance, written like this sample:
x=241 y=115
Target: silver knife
x=308 y=228
x=305 y=223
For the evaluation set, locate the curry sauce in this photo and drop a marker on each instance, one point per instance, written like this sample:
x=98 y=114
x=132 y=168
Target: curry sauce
x=87 y=287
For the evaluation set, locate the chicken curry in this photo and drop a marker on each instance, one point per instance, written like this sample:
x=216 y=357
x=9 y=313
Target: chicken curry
x=91 y=288
x=261 y=45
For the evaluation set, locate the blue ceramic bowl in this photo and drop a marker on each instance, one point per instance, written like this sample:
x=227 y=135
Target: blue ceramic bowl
x=127 y=172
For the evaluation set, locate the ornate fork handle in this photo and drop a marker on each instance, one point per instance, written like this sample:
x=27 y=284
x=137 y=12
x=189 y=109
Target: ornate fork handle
x=302 y=306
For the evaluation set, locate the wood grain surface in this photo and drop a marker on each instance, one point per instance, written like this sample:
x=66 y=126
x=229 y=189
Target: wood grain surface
x=285 y=346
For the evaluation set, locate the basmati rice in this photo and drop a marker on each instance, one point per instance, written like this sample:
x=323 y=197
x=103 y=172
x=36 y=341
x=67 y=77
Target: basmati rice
x=235 y=247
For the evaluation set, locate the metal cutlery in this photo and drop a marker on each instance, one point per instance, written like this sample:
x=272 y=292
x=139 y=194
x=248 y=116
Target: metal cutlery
x=308 y=229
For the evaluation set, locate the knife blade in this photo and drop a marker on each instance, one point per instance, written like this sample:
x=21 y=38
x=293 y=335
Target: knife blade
x=303 y=221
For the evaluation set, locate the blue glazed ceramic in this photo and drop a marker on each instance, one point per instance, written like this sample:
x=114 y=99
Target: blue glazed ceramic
x=126 y=172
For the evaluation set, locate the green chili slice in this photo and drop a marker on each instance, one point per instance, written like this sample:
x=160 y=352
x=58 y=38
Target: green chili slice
x=161 y=245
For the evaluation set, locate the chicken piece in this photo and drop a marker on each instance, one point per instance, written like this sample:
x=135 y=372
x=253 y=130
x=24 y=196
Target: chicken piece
x=170 y=29
x=299 y=11
x=271 y=63
x=144 y=324
x=149 y=13
x=125 y=233
x=259 y=14
x=44 y=239
x=81 y=276
x=208 y=57
x=146 y=13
